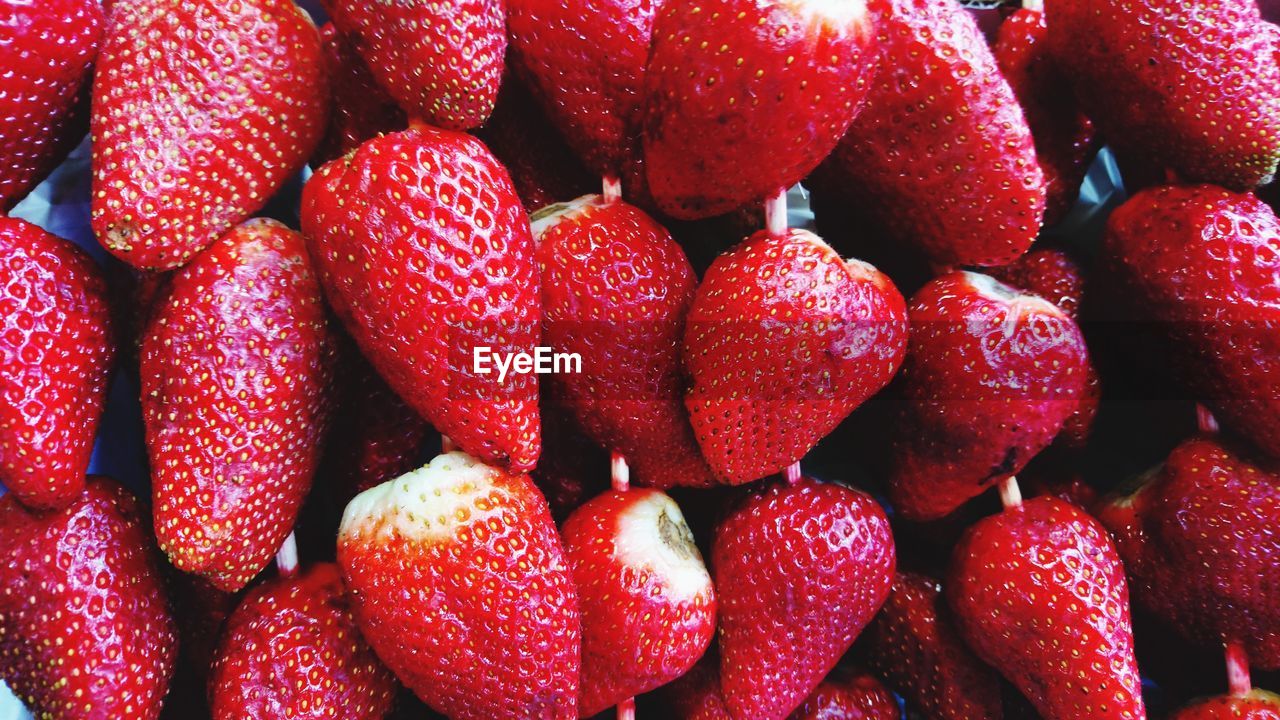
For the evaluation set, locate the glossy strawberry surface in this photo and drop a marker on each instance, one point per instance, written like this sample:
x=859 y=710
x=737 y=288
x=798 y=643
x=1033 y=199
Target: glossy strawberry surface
x=1257 y=705
x=696 y=694
x=359 y=109
x=857 y=697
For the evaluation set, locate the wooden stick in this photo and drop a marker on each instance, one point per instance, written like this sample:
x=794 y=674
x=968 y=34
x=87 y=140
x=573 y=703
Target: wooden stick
x=1010 y=493
x=287 y=557
x=612 y=188
x=619 y=472
x=775 y=214
x=1238 y=680
x=792 y=473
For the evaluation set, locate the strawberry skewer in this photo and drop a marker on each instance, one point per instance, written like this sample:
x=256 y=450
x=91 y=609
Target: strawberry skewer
x=287 y=556
x=620 y=478
x=1239 y=682
x=1010 y=493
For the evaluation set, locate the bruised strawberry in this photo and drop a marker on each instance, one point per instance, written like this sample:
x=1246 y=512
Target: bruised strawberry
x=990 y=377
x=85 y=632
x=47 y=49
x=783 y=341
x=1256 y=705
x=236 y=369
x=202 y=109
x=744 y=98
x=696 y=695
x=1039 y=592
x=459 y=583
x=615 y=291
x=858 y=697
x=359 y=109
x=425 y=253
x=56 y=347
x=442 y=61
x=292 y=650
x=800 y=570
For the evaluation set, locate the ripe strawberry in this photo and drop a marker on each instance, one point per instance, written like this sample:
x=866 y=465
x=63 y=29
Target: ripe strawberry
x=459 y=583
x=292 y=650
x=47 y=50
x=1257 y=705
x=1198 y=539
x=696 y=695
x=1193 y=88
x=426 y=255
x=648 y=607
x=55 y=353
x=745 y=98
x=359 y=109
x=942 y=157
x=615 y=290
x=914 y=646
x=236 y=369
x=85 y=632
x=857 y=697
x=202 y=109
x=441 y=60
x=783 y=341
x=1039 y=592
x=1200 y=267
x=990 y=377
x=800 y=570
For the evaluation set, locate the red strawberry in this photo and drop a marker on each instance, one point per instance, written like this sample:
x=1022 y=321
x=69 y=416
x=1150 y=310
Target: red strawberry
x=800 y=570
x=202 y=109
x=1200 y=266
x=47 y=49
x=745 y=98
x=859 y=697
x=441 y=60
x=292 y=650
x=914 y=645
x=1193 y=88
x=1039 y=592
x=358 y=108
x=648 y=607
x=459 y=583
x=85 y=632
x=426 y=255
x=784 y=340
x=615 y=290
x=1199 y=542
x=1257 y=705
x=236 y=370
x=990 y=377
x=942 y=157
x=56 y=347
x=696 y=695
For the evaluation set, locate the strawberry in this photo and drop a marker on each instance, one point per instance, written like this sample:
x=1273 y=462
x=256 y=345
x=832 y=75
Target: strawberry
x=859 y=697
x=1199 y=268
x=745 y=98
x=1256 y=705
x=359 y=109
x=1038 y=591
x=914 y=646
x=47 y=50
x=572 y=467
x=236 y=368
x=292 y=650
x=200 y=611
x=433 y=212
x=648 y=607
x=202 y=109
x=85 y=632
x=800 y=570
x=56 y=351
x=696 y=694
x=459 y=582
x=615 y=290
x=1189 y=87
x=442 y=61
x=783 y=341
x=942 y=157
x=990 y=377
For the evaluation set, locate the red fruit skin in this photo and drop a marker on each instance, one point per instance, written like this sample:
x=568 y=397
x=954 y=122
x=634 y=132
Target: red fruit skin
x=359 y=109
x=56 y=349
x=1198 y=539
x=913 y=644
x=783 y=341
x=1209 y=109
x=442 y=61
x=1039 y=593
x=433 y=211
x=744 y=98
x=237 y=367
x=696 y=694
x=47 y=50
x=800 y=570
x=85 y=632
x=1257 y=705
x=292 y=650
x=648 y=606
x=860 y=697
x=1198 y=267
x=990 y=377
x=942 y=157
x=459 y=583
x=181 y=156
x=615 y=290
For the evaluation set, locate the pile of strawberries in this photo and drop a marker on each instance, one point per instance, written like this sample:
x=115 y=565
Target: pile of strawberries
x=549 y=561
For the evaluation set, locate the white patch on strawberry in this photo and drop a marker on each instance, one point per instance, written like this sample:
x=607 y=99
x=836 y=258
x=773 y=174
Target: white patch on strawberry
x=653 y=537
x=552 y=215
x=832 y=15
x=1019 y=303
x=427 y=504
